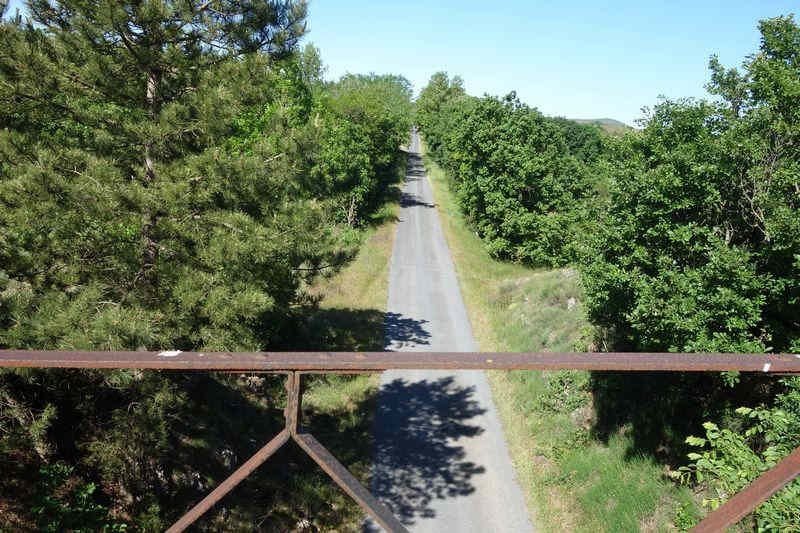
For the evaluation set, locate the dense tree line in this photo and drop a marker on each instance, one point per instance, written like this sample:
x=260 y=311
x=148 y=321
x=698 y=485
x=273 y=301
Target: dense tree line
x=520 y=177
x=686 y=233
x=172 y=174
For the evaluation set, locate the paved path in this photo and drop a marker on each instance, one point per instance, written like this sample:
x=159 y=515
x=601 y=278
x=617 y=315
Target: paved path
x=441 y=461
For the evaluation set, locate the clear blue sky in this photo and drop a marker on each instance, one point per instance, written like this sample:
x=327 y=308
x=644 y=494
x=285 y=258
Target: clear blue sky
x=579 y=59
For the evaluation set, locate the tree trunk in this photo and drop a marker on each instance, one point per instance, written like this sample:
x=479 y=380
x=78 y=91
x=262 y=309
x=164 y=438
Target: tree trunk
x=351 y=214
x=152 y=104
x=150 y=251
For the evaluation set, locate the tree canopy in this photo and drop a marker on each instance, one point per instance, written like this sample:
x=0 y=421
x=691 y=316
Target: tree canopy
x=686 y=234
x=172 y=175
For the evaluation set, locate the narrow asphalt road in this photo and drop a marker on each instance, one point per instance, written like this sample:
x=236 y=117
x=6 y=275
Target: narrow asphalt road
x=441 y=460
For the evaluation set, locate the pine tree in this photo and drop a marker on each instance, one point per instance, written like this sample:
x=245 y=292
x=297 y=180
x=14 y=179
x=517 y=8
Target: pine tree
x=130 y=221
x=167 y=179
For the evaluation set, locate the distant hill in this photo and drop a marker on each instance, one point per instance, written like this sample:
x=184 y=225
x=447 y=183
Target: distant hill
x=608 y=124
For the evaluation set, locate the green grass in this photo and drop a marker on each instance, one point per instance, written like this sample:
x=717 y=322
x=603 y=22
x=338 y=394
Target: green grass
x=572 y=480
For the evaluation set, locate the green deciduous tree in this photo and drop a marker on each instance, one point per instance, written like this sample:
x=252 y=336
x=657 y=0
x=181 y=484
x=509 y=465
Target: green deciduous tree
x=700 y=248
x=514 y=175
x=700 y=251
x=439 y=90
x=361 y=110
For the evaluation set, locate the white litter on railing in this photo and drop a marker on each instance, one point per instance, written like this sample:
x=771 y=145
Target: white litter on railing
x=169 y=353
x=766 y=367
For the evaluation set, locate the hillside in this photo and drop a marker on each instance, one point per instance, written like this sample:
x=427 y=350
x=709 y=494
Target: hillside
x=609 y=125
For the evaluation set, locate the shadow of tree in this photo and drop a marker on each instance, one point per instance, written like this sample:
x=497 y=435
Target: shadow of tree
x=415 y=458
x=660 y=409
x=414 y=165
x=415 y=455
x=400 y=331
x=337 y=329
x=411 y=200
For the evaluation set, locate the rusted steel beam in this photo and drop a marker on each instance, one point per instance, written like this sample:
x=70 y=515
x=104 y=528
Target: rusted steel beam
x=294 y=396
x=748 y=499
x=234 y=479
x=378 y=361
x=349 y=483
x=314 y=449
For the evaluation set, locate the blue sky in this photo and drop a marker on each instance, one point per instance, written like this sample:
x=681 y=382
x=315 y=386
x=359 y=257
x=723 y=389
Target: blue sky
x=579 y=59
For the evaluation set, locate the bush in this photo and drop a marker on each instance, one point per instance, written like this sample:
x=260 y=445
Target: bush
x=728 y=461
x=63 y=504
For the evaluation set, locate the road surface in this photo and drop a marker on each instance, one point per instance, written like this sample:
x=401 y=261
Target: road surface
x=441 y=461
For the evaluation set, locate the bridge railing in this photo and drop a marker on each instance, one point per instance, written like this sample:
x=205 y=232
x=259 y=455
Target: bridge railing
x=296 y=364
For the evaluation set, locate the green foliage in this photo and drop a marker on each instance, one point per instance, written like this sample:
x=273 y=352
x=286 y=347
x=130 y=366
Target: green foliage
x=365 y=118
x=697 y=251
x=438 y=92
x=686 y=516
x=122 y=207
x=172 y=175
x=518 y=182
x=63 y=503
x=727 y=461
x=584 y=141
x=699 y=248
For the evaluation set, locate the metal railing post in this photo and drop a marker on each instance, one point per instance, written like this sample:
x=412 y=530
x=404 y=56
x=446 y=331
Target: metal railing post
x=239 y=475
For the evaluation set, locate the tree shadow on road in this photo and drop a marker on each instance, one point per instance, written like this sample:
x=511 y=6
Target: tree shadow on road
x=415 y=166
x=403 y=331
x=411 y=200
x=416 y=457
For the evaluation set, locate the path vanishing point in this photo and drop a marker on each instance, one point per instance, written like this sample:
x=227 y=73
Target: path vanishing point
x=441 y=460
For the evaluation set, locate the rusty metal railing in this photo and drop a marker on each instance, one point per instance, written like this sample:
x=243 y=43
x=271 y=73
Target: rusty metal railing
x=295 y=364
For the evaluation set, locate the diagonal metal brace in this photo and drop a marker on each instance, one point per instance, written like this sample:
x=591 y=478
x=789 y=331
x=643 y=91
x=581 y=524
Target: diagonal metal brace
x=234 y=479
x=315 y=450
x=349 y=483
x=744 y=502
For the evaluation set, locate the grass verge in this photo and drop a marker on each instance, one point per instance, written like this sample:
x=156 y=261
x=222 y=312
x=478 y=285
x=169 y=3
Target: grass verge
x=572 y=480
x=349 y=318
